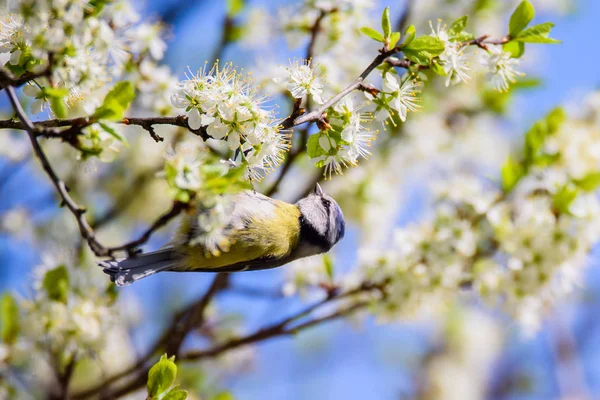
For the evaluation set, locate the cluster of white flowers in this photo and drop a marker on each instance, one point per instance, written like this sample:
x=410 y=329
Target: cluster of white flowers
x=541 y=252
x=225 y=104
x=521 y=249
x=429 y=262
x=344 y=141
x=89 y=44
x=70 y=318
x=457 y=58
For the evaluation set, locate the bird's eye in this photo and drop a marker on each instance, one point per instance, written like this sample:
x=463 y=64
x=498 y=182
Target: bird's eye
x=326 y=204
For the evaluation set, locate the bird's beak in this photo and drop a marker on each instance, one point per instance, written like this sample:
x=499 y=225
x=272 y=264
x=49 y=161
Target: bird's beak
x=317 y=191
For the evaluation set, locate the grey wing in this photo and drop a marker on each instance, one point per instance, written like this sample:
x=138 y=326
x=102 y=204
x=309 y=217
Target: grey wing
x=232 y=212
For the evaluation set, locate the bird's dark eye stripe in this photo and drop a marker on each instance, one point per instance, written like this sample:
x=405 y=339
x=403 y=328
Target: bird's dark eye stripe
x=326 y=204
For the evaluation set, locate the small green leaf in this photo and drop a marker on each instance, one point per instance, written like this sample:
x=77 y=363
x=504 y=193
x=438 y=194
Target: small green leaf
x=459 y=25
x=234 y=7
x=526 y=83
x=9 y=318
x=234 y=33
x=395 y=36
x=113 y=132
x=423 y=49
x=56 y=283
x=463 y=37
x=313 y=147
x=563 y=199
x=438 y=69
x=386 y=25
x=372 y=33
x=224 y=396
x=161 y=376
x=588 y=183
x=537 y=34
x=56 y=98
x=516 y=49
x=511 y=173
x=555 y=119
x=116 y=102
x=176 y=394
x=521 y=18
x=409 y=34
x=328 y=264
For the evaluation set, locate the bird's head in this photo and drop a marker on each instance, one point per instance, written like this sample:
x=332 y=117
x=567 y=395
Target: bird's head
x=322 y=220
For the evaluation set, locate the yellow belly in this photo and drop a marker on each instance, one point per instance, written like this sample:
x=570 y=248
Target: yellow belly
x=273 y=237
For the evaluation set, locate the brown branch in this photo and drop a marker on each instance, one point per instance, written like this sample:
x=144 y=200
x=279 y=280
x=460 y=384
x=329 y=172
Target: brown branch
x=8 y=79
x=147 y=123
x=78 y=211
x=287 y=326
x=185 y=321
x=316 y=115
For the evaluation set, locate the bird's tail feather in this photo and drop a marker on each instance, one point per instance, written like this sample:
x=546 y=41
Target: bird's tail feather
x=125 y=271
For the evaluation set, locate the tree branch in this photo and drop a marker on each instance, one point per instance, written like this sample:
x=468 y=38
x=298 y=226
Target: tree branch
x=8 y=79
x=78 y=211
x=185 y=321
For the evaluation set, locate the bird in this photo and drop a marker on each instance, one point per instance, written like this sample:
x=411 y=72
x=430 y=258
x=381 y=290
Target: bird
x=260 y=233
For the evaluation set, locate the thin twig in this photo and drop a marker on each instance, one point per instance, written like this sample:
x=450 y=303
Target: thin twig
x=78 y=211
x=190 y=318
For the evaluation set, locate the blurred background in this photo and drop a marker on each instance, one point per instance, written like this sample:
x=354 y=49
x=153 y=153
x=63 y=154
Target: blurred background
x=343 y=360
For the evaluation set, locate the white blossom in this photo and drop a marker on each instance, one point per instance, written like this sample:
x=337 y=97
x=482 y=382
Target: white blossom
x=302 y=81
x=403 y=94
x=501 y=67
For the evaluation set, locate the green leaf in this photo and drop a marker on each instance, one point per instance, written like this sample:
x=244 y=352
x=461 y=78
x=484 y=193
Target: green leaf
x=409 y=34
x=459 y=25
x=516 y=49
x=161 y=376
x=438 y=69
x=313 y=148
x=372 y=33
x=511 y=173
x=234 y=7
x=224 y=396
x=563 y=199
x=588 y=183
x=520 y=18
x=423 y=49
x=176 y=394
x=537 y=34
x=555 y=119
x=394 y=39
x=463 y=37
x=116 y=102
x=9 y=318
x=234 y=33
x=56 y=98
x=328 y=264
x=113 y=132
x=56 y=283
x=386 y=25
x=526 y=83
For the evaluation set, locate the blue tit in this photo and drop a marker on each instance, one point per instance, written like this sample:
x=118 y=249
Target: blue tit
x=260 y=233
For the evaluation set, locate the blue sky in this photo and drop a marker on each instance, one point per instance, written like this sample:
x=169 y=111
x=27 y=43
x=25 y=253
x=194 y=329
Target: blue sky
x=335 y=361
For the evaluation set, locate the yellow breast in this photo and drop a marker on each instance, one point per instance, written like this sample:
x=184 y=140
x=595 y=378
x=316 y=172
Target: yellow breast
x=256 y=232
